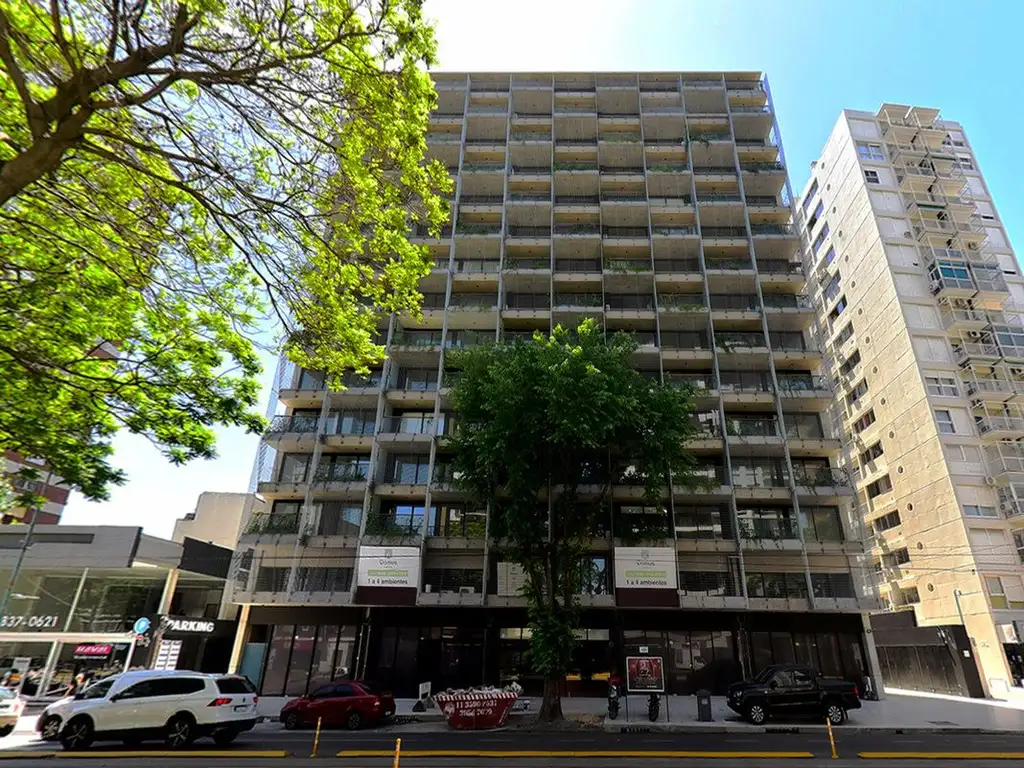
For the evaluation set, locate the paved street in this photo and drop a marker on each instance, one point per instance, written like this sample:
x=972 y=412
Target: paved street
x=497 y=745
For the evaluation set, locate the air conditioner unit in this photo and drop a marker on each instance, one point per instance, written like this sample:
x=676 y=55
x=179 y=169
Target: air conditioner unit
x=1017 y=371
x=467 y=590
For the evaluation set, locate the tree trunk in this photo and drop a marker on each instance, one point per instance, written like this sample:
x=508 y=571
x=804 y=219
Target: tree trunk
x=551 y=705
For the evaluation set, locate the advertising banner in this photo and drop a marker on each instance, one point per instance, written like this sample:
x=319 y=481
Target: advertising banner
x=645 y=674
x=645 y=568
x=388 y=567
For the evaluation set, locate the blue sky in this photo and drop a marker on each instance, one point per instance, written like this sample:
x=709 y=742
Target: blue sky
x=820 y=57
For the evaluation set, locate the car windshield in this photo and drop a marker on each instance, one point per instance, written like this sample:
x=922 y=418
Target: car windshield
x=98 y=690
x=6 y=694
x=764 y=674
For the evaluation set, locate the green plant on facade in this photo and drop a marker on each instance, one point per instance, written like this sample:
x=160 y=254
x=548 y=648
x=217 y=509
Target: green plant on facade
x=540 y=420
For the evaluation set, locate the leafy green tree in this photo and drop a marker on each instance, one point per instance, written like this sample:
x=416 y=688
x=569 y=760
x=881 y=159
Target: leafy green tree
x=543 y=430
x=175 y=176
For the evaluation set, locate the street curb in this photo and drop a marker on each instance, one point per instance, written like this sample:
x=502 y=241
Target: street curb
x=798 y=729
x=577 y=754
x=941 y=755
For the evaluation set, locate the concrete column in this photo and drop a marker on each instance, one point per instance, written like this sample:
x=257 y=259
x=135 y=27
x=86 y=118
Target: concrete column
x=874 y=668
x=240 y=636
x=51 y=662
x=169 y=586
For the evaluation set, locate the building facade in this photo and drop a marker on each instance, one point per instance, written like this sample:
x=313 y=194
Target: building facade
x=920 y=297
x=54 y=493
x=657 y=203
x=97 y=600
x=218 y=518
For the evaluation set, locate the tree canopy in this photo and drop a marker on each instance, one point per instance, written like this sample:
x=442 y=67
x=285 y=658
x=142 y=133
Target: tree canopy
x=176 y=176
x=544 y=429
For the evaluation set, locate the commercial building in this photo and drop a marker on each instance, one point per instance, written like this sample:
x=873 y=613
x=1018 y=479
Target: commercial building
x=659 y=204
x=218 y=518
x=920 y=297
x=102 y=599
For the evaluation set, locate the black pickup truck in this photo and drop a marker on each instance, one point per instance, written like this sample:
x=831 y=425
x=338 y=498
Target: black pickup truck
x=787 y=691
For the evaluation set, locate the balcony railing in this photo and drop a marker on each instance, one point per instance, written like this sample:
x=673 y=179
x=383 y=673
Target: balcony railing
x=577 y=199
x=578 y=300
x=670 y=231
x=477 y=266
x=538 y=197
x=740 y=303
x=792 y=384
x=271 y=523
x=752 y=427
x=331 y=472
x=804 y=428
x=728 y=339
x=409 y=425
x=541 y=262
x=394 y=526
x=993 y=386
x=779 y=267
x=762 y=529
x=712 y=264
x=721 y=197
x=478 y=229
x=701 y=381
x=531 y=170
x=665 y=202
x=625 y=232
x=987 y=424
x=772 y=229
x=577 y=229
x=520 y=231
x=678 y=266
x=666 y=168
x=416 y=339
x=820 y=476
x=731 y=232
x=293 y=424
x=682 y=302
x=742 y=381
x=539 y=301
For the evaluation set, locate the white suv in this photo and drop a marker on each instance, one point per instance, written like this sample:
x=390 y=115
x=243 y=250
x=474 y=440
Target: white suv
x=175 y=706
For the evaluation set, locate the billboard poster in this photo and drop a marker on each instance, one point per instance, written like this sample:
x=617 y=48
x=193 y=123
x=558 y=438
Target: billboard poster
x=388 y=567
x=645 y=674
x=645 y=568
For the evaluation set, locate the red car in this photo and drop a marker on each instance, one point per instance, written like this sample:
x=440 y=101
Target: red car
x=346 y=703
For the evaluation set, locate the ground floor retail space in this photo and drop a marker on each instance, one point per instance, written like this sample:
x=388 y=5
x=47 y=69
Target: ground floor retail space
x=291 y=650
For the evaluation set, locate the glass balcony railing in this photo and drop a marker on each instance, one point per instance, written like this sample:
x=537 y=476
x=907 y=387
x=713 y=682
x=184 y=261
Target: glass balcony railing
x=811 y=476
x=681 y=302
x=273 y=523
x=301 y=424
x=410 y=425
x=336 y=472
x=577 y=229
x=514 y=265
x=677 y=266
x=767 y=529
x=530 y=232
x=730 y=339
x=578 y=300
x=727 y=232
x=772 y=229
x=745 y=381
x=752 y=427
x=625 y=232
x=790 y=384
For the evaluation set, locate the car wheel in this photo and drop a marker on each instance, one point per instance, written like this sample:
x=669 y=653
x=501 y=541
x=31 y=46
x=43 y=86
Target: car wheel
x=7 y=730
x=223 y=738
x=836 y=714
x=77 y=734
x=353 y=721
x=291 y=722
x=180 y=732
x=756 y=713
x=50 y=730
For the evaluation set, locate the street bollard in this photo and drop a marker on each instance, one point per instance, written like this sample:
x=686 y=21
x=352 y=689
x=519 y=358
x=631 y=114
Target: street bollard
x=398 y=751
x=316 y=738
x=831 y=738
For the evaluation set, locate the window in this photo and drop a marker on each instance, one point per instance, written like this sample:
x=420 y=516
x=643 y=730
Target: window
x=412 y=469
x=837 y=310
x=97 y=691
x=235 y=685
x=870 y=176
x=873 y=152
x=832 y=289
x=832 y=585
x=844 y=334
x=815 y=216
x=858 y=392
x=887 y=521
x=872 y=453
x=900 y=556
x=820 y=238
x=294 y=467
x=941 y=385
x=910 y=596
x=977 y=510
x=808 y=199
x=864 y=421
x=830 y=256
x=945 y=421
x=996 y=595
x=880 y=486
x=851 y=362
x=965 y=162
x=821 y=523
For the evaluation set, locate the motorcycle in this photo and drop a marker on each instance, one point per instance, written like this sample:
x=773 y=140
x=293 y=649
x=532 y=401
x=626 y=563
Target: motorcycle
x=653 y=707
x=613 y=700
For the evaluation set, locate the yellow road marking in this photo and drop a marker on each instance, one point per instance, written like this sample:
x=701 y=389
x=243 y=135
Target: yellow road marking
x=523 y=753
x=941 y=755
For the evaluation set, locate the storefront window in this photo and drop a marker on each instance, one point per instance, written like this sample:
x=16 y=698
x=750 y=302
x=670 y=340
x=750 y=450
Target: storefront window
x=40 y=601
x=278 y=652
x=302 y=656
x=112 y=604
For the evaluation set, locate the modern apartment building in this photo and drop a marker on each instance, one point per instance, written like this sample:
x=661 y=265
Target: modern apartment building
x=659 y=204
x=49 y=486
x=920 y=297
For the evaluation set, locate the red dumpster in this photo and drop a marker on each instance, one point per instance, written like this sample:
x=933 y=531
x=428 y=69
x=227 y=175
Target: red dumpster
x=476 y=711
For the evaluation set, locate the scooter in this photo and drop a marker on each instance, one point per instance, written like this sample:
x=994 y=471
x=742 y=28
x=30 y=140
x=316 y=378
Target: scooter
x=613 y=699
x=653 y=707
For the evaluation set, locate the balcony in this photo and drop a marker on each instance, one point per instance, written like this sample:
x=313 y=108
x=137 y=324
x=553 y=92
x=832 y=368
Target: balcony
x=1005 y=459
x=814 y=477
x=991 y=389
x=273 y=524
x=576 y=166
x=577 y=230
x=478 y=229
x=772 y=230
x=996 y=428
x=957 y=319
x=769 y=533
x=723 y=233
x=578 y=301
x=625 y=233
x=293 y=424
x=952 y=285
x=965 y=351
x=528 y=233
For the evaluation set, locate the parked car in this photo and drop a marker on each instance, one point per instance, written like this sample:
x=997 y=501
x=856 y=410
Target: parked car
x=11 y=707
x=791 y=690
x=174 y=706
x=345 y=703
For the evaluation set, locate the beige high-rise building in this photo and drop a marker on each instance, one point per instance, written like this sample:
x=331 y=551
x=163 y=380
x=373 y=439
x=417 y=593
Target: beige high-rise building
x=659 y=204
x=921 y=300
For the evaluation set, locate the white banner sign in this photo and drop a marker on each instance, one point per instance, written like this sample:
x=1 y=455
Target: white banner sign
x=388 y=567
x=645 y=568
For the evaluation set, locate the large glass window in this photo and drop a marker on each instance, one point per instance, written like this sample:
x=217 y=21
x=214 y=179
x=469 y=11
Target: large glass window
x=302 y=658
x=111 y=604
x=278 y=653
